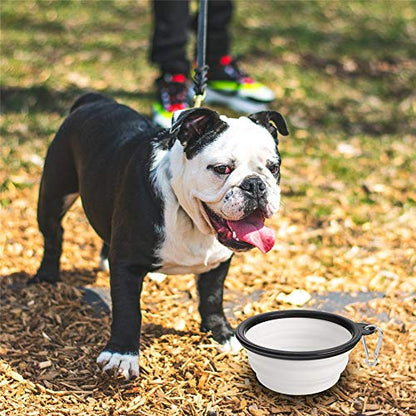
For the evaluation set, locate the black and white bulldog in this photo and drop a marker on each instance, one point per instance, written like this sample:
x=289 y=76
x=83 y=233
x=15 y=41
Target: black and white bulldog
x=176 y=201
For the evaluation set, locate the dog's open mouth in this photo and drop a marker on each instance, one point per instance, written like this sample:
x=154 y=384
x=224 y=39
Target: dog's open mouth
x=244 y=234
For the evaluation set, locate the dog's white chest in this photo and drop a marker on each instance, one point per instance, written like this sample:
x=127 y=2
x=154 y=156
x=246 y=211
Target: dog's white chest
x=185 y=249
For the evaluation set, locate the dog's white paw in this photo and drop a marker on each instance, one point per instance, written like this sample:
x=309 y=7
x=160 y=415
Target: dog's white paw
x=157 y=277
x=125 y=364
x=232 y=345
x=104 y=264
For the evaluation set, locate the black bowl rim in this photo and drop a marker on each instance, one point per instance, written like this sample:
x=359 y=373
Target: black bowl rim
x=357 y=330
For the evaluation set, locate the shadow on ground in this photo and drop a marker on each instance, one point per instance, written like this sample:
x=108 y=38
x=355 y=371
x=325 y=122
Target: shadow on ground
x=45 y=99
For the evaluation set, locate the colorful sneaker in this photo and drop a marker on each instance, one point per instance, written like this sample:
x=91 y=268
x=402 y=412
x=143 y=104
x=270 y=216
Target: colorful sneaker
x=229 y=85
x=173 y=95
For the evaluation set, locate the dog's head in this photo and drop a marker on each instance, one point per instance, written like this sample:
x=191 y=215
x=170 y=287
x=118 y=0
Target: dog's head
x=226 y=174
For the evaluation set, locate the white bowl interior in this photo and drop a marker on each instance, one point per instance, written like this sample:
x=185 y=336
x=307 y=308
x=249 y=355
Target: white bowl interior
x=298 y=334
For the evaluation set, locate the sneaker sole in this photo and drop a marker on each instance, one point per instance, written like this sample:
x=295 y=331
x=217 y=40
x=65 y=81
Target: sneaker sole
x=161 y=120
x=236 y=103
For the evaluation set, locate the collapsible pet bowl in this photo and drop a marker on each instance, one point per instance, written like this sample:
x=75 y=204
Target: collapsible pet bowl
x=301 y=351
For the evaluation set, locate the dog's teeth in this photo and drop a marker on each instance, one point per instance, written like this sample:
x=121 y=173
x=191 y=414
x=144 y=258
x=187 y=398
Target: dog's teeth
x=234 y=235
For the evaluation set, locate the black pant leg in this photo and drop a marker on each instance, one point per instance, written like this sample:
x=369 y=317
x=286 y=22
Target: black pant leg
x=218 y=34
x=171 y=25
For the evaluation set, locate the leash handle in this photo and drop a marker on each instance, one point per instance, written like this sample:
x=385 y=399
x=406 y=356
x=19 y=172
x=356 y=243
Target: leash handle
x=200 y=78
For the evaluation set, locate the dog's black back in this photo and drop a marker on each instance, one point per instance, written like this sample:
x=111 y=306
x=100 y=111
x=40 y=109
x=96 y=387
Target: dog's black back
x=100 y=145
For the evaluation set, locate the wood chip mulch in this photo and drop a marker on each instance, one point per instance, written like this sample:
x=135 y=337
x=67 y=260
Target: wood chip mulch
x=50 y=338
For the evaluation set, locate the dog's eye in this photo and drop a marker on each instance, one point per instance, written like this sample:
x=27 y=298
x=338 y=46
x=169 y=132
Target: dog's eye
x=221 y=169
x=273 y=168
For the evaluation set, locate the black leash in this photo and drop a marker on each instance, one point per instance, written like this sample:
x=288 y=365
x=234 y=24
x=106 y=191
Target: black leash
x=201 y=71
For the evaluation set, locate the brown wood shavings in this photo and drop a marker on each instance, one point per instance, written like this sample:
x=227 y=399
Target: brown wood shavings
x=48 y=364
x=49 y=338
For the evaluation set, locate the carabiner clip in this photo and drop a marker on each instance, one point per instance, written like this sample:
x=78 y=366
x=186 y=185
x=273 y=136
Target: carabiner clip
x=199 y=99
x=371 y=329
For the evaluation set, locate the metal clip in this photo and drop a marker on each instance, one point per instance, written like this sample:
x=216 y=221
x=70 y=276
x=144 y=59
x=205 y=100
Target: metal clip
x=198 y=99
x=372 y=328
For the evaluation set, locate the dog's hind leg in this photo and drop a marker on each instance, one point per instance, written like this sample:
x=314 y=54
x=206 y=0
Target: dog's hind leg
x=104 y=265
x=58 y=191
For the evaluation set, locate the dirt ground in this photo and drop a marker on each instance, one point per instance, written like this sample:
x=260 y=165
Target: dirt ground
x=50 y=337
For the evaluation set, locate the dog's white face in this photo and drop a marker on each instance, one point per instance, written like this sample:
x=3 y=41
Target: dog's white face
x=228 y=183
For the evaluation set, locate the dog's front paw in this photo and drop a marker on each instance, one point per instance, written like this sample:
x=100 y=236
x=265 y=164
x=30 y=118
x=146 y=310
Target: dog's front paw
x=231 y=345
x=222 y=332
x=126 y=365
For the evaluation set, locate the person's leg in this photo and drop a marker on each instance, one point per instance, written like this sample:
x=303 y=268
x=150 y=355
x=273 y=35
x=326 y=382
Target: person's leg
x=218 y=33
x=170 y=35
x=227 y=84
x=171 y=25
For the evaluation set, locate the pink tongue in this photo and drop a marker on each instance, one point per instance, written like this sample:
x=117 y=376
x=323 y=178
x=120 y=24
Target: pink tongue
x=253 y=231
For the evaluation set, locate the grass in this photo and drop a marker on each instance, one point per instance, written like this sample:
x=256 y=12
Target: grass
x=344 y=77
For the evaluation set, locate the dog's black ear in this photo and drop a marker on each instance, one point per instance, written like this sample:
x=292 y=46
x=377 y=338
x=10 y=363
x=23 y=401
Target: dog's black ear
x=272 y=121
x=196 y=128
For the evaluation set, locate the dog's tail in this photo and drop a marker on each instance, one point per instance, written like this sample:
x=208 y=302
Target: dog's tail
x=90 y=97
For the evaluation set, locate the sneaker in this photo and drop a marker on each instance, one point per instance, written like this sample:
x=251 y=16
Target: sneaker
x=230 y=86
x=173 y=96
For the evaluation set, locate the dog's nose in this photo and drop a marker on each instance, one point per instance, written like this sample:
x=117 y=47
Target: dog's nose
x=254 y=186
